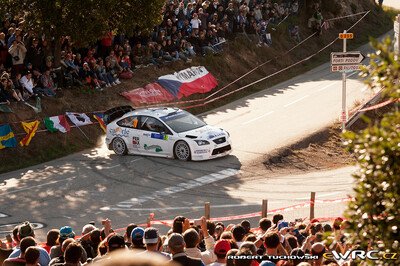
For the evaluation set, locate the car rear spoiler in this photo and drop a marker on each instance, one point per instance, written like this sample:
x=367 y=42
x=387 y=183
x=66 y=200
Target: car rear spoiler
x=116 y=112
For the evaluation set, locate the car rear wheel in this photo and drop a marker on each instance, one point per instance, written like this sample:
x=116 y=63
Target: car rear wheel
x=182 y=151
x=119 y=146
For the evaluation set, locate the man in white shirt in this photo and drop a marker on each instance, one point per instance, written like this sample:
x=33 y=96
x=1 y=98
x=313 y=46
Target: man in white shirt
x=192 y=239
x=27 y=83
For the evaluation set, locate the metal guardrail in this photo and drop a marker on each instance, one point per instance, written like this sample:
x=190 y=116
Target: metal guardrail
x=357 y=113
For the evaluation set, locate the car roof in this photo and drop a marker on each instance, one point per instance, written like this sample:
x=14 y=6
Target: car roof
x=154 y=112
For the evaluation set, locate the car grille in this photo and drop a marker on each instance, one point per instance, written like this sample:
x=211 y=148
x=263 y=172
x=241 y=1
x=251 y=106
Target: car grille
x=219 y=140
x=221 y=150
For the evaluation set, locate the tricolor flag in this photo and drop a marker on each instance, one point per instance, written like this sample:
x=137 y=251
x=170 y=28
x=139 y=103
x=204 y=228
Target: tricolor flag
x=188 y=81
x=30 y=129
x=79 y=119
x=7 y=138
x=57 y=123
x=99 y=118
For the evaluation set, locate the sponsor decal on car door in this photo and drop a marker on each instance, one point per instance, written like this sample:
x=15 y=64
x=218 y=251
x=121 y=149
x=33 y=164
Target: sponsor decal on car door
x=154 y=137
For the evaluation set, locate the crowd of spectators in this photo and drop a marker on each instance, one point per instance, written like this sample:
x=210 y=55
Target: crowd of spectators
x=188 y=28
x=186 y=243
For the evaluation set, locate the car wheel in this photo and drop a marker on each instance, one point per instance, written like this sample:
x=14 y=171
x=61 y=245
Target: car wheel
x=182 y=151
x=119 y=146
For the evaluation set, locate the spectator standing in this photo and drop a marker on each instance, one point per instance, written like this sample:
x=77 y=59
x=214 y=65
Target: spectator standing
x=52 y=238
x=18 y=51
x=221 y=249
x=176 y=245
x=192 y=240
x=25 y=230
x=3 y=49
x=32 y=255
x=195 y=23
x=151 y=240
x=35 y=55
x=60 y=259
x=106 y=43
x=20 y=259
x=137 y=238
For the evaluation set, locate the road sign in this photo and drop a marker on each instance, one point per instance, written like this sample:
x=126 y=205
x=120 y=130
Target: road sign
x=342 y=58
x=343 y=117
x=345 y=68
x=346 y=36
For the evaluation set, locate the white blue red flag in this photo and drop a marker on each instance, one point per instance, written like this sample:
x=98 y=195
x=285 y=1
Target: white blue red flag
x=188 y=81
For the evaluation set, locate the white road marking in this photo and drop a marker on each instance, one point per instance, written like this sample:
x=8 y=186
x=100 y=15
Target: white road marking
x=198 y=182
x=335 y=82
x=327 y=86
x=3 y=215
x=321 y=196
x=298 y=100
x=258 y=117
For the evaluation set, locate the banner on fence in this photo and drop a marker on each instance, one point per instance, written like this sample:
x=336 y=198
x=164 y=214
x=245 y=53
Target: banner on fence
x=7 y=138
x=99 y=118
x=57 y=123
x=79 y=119
x=149 y=94
x=188 y=81
x=30 y=129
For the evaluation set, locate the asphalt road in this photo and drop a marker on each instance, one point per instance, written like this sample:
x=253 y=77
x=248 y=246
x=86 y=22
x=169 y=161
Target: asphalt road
x=96 y=184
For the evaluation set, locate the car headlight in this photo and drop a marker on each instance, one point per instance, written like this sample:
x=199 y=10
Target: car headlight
x=201 y=142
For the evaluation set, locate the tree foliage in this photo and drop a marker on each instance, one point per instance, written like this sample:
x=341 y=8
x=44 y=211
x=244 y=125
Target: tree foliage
x=85 y=20
x=375 y=213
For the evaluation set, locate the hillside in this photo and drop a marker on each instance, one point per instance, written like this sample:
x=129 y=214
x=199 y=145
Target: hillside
x=239 y=56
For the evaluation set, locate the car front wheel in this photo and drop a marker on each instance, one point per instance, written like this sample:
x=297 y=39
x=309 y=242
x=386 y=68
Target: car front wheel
x=182 y=151
x=119 y=146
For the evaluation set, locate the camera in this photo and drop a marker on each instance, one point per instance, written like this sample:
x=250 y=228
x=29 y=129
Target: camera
x=197 y=222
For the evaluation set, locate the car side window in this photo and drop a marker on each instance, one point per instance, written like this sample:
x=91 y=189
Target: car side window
x=130 y=121
x=152 y=124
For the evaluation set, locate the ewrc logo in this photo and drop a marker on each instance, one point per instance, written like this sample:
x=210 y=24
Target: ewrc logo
x=361 y=254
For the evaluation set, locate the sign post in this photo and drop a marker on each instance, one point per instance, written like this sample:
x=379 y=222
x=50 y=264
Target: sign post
x=345 y=62
x=396 y=36
x=344 y=109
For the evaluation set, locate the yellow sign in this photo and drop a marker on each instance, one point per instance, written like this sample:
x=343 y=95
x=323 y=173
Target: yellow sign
x=346 y=36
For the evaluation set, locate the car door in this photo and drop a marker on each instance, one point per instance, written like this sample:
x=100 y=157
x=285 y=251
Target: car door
x=155 y=137
x=130 y=132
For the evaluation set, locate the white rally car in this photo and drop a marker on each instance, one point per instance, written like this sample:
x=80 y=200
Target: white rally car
x=164 y=132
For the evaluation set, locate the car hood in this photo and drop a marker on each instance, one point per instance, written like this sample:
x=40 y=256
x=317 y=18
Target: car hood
x=205 y=133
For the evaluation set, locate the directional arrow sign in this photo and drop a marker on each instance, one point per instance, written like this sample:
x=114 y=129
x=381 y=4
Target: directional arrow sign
x=343 y=58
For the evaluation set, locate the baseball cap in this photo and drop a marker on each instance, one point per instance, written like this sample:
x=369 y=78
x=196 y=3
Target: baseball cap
x=137 y=233
x=222 y=247
x=88 y=228
x=66 y=232
x=116 y=241
x=150 y=236
x=267 y=263
x=282 y=224
x=25 y=229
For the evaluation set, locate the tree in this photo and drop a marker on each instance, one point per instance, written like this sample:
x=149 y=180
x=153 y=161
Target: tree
x=84 y=20
x=375 y=213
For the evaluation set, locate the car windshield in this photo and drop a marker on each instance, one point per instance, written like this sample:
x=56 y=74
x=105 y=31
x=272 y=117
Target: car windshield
x=182 y=121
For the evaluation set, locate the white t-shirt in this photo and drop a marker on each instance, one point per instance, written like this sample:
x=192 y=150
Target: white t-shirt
x=27 y=84
x=217 y=264
x=195 y=23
